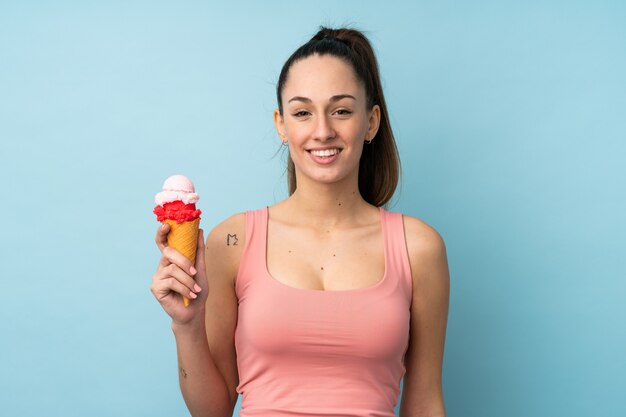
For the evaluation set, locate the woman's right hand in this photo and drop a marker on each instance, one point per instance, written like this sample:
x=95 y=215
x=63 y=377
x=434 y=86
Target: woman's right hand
x=174 y=278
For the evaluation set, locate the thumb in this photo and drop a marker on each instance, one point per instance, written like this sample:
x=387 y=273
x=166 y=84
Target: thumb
x=200 y=251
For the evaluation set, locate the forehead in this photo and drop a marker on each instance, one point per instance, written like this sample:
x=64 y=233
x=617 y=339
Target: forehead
x=322 y=76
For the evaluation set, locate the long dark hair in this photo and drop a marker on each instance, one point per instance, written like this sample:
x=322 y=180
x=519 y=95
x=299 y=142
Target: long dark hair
x=379 y=167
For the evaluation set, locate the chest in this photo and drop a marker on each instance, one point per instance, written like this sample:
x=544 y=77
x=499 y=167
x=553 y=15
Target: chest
x=326 y=260
x=321 y=327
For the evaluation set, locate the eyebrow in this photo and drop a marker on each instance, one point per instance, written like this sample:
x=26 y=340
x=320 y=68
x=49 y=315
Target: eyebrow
x=332 y=99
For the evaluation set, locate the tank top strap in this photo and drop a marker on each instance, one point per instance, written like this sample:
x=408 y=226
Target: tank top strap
x=395 y=248
x=253 y=254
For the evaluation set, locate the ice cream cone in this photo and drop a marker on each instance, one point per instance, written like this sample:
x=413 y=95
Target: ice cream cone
x=176 y=206
x=184 y=238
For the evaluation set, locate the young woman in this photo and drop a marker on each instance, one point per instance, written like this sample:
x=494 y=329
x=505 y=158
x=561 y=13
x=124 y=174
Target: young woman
x=320 y=304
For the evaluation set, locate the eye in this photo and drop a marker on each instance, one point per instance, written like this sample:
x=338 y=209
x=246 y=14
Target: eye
x=344 y=112
x=301 y=113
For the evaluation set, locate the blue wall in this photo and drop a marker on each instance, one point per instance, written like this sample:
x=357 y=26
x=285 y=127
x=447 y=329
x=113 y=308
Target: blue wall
x=510 y=120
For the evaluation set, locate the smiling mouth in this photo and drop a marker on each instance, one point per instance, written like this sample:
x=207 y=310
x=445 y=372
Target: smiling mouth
x=325 y=153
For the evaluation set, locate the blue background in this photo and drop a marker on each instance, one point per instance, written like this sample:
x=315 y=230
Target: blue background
x=510 y=120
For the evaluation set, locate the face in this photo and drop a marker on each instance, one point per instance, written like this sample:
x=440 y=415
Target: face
x=325 y=119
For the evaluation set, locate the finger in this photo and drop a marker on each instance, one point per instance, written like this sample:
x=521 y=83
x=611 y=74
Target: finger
x=179 y=259
x=164 y=287
x=161 y=236
x=173 y=271
x=163 y=262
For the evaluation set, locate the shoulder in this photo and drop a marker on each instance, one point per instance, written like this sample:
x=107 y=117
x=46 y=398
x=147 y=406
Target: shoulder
x=225 y=242
x=426 y=249
x=420 y=235
x=229 y=231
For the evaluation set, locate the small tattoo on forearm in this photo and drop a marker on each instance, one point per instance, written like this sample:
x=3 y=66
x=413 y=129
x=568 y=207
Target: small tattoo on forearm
x=231 y=239
x=183 y=373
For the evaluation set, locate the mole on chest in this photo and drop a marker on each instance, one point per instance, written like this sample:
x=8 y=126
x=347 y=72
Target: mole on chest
x=329 y=271
x=326 y=259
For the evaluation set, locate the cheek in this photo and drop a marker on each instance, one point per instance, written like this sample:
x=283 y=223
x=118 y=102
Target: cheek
x=364 y=128
x=295 y=132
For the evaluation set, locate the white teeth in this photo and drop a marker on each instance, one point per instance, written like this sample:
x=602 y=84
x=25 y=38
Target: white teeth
x=325 y=152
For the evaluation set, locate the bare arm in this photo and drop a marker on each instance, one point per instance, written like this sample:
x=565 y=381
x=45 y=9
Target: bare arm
x=204 y=331
x=201 y=383
x=422 y=394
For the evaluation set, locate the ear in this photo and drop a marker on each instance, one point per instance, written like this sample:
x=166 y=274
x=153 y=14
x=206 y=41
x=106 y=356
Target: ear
x=280 y=125
x=374 y=122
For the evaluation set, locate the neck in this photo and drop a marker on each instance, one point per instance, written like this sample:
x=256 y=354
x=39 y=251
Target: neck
x=327 y=205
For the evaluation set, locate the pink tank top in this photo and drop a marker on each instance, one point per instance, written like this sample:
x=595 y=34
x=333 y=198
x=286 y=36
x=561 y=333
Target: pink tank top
x=304 y=352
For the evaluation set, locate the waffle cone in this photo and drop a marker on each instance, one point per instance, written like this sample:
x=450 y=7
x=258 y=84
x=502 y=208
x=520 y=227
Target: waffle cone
x=184 y=238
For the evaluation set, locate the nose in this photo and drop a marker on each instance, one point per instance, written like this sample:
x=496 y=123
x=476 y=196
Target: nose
x=324 y=129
